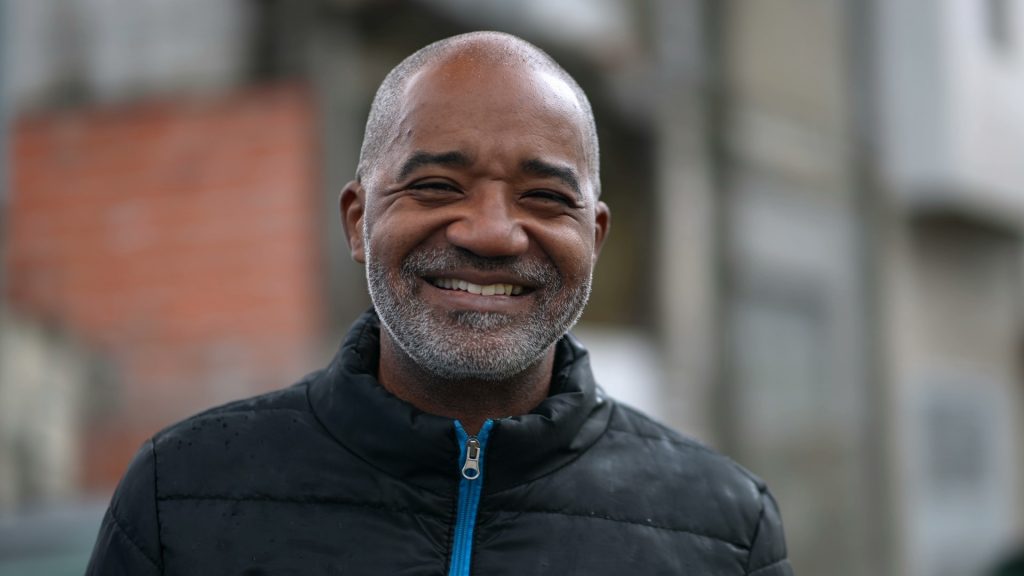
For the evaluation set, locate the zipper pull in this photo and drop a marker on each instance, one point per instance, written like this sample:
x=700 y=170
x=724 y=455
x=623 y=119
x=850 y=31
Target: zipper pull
x=471 y=468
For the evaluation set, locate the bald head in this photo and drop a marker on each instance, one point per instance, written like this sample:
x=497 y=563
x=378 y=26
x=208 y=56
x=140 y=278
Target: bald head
x=496 y=50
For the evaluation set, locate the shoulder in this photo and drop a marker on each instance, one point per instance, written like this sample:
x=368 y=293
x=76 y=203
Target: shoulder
x=700 y=489
x=222 y=452
x=631 y=425
x=261 y=410
x=713 y=494
x=290 y=399
x=257 y=410
x=236 y=449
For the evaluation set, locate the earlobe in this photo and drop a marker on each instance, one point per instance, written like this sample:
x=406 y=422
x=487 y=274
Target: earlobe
x=602 y=225
x=352 y=205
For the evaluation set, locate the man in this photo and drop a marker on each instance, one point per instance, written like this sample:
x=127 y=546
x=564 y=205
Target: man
x=459 y=429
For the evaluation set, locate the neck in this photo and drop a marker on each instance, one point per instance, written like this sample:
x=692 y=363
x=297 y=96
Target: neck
x=471 y=401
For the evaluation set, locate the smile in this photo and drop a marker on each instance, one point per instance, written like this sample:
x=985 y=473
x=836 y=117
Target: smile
x=483 y=290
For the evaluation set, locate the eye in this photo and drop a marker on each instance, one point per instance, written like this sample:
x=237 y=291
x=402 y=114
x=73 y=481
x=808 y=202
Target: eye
x=550 y=197
x=434 y=185
x=434 y=191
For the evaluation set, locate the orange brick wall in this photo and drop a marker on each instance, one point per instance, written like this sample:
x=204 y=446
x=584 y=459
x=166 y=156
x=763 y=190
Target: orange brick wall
x=178 y=238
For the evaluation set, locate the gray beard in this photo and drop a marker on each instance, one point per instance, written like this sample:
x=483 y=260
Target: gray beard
x=470 y=345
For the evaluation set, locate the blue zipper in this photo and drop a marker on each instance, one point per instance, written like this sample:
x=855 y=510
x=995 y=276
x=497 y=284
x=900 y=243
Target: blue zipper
x=471 y=461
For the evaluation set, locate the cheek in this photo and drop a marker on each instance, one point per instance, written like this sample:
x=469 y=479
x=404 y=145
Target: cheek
x=571 y=250
x=392 y=236
x=386 y=234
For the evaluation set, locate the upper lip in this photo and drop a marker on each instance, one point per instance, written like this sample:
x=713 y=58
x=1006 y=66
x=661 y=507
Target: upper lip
x=483 y=278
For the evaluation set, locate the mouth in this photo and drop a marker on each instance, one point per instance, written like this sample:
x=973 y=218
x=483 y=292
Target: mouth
x=499 y=289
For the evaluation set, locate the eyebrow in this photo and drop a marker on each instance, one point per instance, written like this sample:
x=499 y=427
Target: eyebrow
x=546 y=169
x=451 y=159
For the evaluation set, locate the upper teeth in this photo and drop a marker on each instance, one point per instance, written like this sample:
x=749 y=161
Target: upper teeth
x=485 y=290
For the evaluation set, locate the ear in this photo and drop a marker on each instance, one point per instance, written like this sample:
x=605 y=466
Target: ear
x=602 y=225
x=352 y=205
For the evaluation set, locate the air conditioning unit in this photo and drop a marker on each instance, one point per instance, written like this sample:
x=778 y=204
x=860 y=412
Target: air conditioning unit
x=951 y=104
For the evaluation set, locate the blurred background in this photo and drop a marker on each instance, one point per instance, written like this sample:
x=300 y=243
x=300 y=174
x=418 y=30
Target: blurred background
x=816 y=262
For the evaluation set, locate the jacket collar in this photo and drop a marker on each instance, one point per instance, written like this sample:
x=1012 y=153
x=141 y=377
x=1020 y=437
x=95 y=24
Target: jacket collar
x=421 y=449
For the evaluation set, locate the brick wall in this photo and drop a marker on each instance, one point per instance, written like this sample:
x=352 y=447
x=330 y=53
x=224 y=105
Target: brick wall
x=178 y=238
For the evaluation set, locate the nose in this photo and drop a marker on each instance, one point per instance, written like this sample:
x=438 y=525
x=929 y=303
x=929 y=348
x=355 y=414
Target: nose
x=488 y=225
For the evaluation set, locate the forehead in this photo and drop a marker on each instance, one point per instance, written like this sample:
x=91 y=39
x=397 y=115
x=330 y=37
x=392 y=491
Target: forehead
x=500 y=106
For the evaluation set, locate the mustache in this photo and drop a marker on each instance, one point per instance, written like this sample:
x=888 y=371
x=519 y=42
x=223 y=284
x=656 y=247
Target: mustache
x=435 y=262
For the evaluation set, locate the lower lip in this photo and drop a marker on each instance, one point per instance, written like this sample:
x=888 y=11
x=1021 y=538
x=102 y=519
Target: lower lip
x=462 y=300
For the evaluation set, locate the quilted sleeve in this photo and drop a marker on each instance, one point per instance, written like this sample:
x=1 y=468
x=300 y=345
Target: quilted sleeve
x=768 y=545
x=128 y=542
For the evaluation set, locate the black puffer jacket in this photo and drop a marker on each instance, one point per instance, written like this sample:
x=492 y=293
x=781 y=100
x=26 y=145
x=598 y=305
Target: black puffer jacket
x=336 y=476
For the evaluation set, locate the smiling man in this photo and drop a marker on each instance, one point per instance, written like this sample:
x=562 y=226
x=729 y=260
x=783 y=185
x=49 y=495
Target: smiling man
x=459 y=429
x=476 y=213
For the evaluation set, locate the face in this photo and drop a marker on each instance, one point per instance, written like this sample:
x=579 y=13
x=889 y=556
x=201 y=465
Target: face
x=479 y=228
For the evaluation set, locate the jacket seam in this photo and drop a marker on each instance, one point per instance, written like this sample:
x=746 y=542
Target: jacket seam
x=755 y=534
x=214 y=413
x=698 y=447
x=767 y=566
x=624 y=521
x=127 y=536
x=156 y=502
x=452 y=518
x=357 y=348
x=285 y=500
x=686 y=443
x=229 y=412
x=242 y=405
